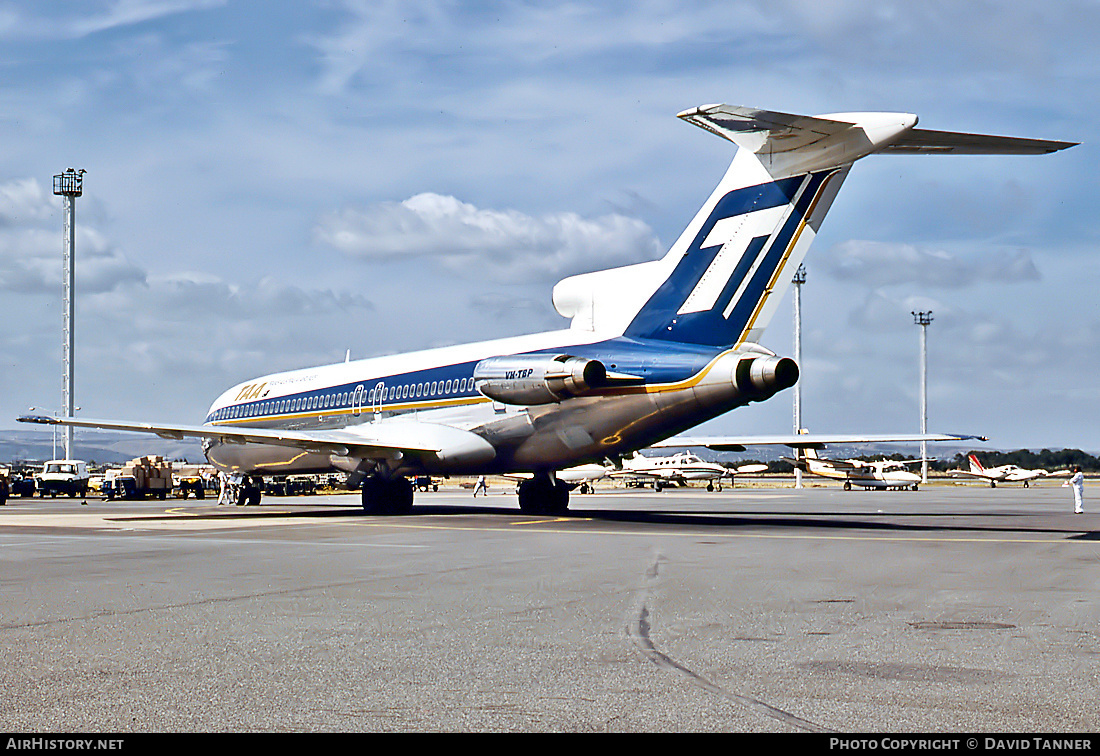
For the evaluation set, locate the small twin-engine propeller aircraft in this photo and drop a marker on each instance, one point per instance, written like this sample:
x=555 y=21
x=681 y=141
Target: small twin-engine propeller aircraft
x=659 y=471
x=679 y=469
x=653 y=348
x=881 y=474
x=1006 y=473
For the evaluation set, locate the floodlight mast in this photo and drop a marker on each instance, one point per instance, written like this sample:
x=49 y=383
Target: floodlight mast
x=798 y=280
x=69 y=185
x=923 y=319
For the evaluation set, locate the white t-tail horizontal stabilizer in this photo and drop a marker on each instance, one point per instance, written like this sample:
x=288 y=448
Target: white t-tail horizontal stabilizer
x=788 y=144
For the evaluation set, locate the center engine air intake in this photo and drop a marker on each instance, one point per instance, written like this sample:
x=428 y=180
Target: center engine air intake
x=537 y=378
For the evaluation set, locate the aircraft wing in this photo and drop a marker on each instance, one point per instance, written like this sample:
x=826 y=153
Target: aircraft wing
x=805 y=440
x=1057 y=473
x=890 y=464
x=369 y=441
x=626 y=472
x=840 y=465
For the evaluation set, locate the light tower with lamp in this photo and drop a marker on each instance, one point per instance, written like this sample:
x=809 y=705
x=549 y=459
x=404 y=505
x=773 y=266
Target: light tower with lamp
x=923 y=319
x=69 y=185
x=798 y=280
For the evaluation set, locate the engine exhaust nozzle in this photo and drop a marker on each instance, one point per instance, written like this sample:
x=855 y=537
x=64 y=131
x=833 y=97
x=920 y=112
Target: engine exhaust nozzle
x=765 y=376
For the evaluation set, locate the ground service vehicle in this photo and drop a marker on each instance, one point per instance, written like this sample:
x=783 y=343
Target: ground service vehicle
x=63 y=477
x=138 y=478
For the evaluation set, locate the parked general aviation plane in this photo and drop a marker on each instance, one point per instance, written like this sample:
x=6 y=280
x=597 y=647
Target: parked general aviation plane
x=652 y=350
x=678 y=469
x=660 y=470
x=1005 y=473
x=881 y=474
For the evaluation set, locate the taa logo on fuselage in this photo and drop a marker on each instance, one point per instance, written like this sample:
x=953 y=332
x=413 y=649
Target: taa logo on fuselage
x=251 y=391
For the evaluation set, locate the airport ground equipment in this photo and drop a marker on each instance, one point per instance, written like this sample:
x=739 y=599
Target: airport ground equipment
x=21 y=480
x=425 y=483
x=290 y=485
x=139 y=478
x=68 y=477
x=193 y=480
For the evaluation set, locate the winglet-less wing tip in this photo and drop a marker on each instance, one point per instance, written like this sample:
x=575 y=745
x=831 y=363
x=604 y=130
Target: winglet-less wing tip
x=39 y=419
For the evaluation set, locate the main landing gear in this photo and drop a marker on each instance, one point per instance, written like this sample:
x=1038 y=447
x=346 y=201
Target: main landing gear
x=249 y=492
x=382 y=495
x=543 y=494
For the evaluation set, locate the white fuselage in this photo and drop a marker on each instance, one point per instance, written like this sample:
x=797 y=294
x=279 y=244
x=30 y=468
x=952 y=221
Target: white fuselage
x=682 y=466
x=435 y=388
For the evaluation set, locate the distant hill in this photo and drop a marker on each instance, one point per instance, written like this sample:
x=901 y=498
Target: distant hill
x=94 y=446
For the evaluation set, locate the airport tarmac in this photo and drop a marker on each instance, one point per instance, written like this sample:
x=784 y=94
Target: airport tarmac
x=949 y=609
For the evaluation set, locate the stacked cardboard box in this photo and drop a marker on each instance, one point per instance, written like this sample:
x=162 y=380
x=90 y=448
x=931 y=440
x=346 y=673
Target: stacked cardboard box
x=150 y=472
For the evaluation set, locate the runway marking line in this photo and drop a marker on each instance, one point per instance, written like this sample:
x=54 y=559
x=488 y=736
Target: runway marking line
x=181 y=512
x=555 y=519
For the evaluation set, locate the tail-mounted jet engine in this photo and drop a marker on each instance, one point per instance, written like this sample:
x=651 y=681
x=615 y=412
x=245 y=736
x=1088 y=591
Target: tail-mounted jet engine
x=537 y=378
x=762 y=377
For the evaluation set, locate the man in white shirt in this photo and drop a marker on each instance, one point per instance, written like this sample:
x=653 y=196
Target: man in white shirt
x=1077 y=483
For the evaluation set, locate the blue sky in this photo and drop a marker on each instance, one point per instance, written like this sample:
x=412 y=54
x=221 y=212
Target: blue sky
x=272 y=184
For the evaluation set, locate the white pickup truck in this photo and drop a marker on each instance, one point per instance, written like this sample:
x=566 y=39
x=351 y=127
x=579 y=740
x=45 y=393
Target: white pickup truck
x=63 y=476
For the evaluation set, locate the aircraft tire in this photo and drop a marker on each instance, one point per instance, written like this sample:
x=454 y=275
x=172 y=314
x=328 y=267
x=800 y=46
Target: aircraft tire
x=249 y=494
x=383 y=496
x=543 y=495
x=401 y=496
x=847 y=486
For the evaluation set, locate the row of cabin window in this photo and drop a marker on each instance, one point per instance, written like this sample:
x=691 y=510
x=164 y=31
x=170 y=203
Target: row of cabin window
x=417 y=390
x=326 y=401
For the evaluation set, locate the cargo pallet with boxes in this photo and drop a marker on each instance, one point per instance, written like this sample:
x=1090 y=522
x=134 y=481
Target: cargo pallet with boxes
x=144 y=476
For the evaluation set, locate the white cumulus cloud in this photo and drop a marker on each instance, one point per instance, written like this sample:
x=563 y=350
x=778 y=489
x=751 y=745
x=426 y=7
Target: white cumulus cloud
x=502 y=245
x=889 y=264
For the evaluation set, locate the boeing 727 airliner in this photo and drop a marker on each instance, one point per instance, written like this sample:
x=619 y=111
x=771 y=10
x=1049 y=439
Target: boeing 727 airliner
x=652 y=349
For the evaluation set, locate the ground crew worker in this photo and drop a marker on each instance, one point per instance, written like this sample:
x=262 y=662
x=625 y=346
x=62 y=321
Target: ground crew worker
x=481 y=486
x=223 y=488
x=1077 y=483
